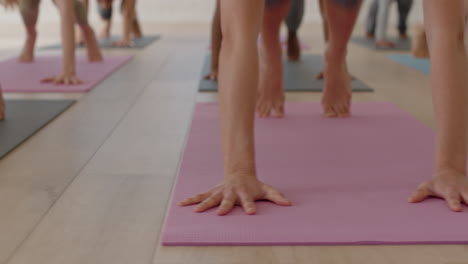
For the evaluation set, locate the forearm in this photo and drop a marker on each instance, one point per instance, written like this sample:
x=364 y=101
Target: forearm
x=67 y=14
x=449 y=69
x=238 y=82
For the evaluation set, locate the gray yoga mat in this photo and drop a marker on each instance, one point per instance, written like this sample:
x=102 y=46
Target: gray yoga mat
x=298 y=76
x=139 y=43
x=26 y=117
x=401 y=45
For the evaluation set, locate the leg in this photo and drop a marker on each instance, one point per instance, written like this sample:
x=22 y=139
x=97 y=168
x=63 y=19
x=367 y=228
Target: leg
x=128 y=12
x=321 y=75
x=293 y=22
x=271 y=94
x=79 y=35
x=67 y=32
x=371 y=19
x=381 y=28
x=404 y=8
x=29 y=12
x=105 y=12
x=136 y=28
x=444 y=21
x=324 y=20
x=92 y=46
x=342 y=16
x=419 y=47
x=216 y=39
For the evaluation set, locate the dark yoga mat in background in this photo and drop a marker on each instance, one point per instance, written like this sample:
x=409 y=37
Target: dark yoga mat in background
x=298 y=76
x=139 y=43
x=24 y=118
x=401 y=45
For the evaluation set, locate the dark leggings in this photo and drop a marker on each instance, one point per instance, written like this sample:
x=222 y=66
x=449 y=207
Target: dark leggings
x=106 y=13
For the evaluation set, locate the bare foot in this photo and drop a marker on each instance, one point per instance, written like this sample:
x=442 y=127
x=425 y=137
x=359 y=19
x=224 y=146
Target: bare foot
x=104 y=34
x=294 y=49
x=370 y=35
x=79 y=39
x=2 y=107
x=27 y=55
x=336 y=100
x=384 y=44
x=213 y=75
x=270 y=100
x=67 y=79
x=125 y=43
x=94 y=55
x=320 y=76
x=136 y=30
x=404 y=36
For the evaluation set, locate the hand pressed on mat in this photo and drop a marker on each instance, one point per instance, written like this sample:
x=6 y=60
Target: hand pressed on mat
x=449 y=185
x=243 y=191
x=68 y=79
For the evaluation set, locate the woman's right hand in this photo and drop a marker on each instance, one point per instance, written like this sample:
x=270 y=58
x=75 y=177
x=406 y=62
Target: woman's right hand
x=243 y=191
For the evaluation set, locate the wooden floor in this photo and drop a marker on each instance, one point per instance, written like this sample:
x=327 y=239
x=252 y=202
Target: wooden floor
x=93 y=186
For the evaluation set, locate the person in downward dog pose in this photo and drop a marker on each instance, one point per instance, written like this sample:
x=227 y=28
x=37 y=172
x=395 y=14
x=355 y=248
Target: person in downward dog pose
x=239 y=76
x=131 y=26
x=30 y=10
x=68 y=11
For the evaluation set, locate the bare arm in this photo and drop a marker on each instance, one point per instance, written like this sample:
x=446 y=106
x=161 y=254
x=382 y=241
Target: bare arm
x=67 y=21
x=444 y=22
x=238 y=80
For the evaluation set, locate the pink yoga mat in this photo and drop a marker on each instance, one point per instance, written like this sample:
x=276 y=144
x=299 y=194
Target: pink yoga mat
x=349 y=180
x=19 y=77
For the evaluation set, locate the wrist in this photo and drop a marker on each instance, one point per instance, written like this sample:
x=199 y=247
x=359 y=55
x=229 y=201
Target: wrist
x=448 y=171
x=451 y=163
x=69 y=71
x=247 y=171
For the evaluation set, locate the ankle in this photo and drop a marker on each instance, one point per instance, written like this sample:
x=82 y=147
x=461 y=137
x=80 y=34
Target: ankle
x=335 y=56
x=292 y=34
